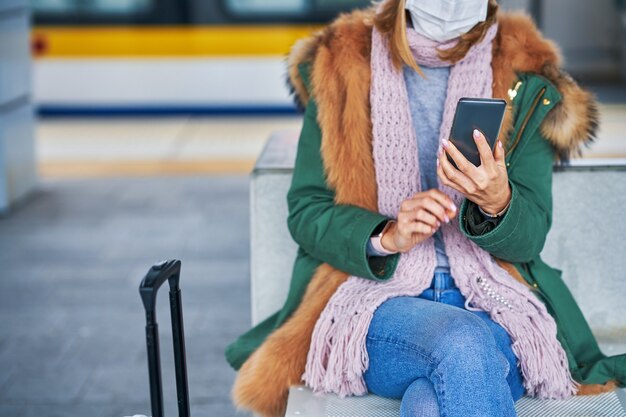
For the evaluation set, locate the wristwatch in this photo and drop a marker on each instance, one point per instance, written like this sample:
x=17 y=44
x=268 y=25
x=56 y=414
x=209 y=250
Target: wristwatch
x=493 y=216
x=376 y=239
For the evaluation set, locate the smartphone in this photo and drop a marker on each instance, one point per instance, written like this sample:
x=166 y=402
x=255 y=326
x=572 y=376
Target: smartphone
x=484 y=114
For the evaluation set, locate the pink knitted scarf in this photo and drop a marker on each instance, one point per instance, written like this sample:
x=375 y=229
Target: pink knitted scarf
x=338 y=357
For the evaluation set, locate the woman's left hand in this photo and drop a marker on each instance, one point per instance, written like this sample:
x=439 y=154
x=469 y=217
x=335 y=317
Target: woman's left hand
x=486 y=185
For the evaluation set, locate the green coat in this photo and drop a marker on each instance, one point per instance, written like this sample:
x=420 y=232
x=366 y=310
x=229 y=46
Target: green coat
x=338 y=234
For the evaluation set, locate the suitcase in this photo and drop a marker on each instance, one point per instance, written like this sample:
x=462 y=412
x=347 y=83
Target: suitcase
x=148 y=289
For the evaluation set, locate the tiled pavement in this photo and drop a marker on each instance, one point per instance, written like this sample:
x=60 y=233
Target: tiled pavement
x=71 y=258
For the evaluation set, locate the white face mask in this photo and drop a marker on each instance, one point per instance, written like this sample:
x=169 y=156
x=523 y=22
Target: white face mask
x=442 y=20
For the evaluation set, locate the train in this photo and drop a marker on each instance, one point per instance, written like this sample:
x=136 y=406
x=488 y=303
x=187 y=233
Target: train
x=207 y=56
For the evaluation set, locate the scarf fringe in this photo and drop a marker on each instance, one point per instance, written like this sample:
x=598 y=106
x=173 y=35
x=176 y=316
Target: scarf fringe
x=337 y=356
x=338 y=337
x=533 y=331
x=543 y=361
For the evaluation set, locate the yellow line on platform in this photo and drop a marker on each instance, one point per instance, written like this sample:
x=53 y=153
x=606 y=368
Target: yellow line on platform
x=94 y=169
x=145 y=42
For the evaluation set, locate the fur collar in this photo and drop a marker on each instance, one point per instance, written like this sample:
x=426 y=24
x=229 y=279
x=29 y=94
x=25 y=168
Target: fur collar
x=339 y=54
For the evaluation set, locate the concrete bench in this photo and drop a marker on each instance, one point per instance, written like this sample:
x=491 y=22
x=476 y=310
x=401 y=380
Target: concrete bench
x=585 y=241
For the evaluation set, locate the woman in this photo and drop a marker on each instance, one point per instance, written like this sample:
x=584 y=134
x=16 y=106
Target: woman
x=414 y=279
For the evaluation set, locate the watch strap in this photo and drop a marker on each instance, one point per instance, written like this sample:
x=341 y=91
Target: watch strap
x=376 y=240
x=500 y=213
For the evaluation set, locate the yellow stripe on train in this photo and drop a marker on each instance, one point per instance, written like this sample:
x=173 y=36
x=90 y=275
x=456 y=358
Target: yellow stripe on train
x=70 y=42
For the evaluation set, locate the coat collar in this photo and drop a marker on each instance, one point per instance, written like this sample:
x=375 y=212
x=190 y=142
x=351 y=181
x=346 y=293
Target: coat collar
x=339 y=58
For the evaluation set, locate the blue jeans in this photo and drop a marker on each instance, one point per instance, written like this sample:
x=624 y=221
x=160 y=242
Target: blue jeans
x=441 y=359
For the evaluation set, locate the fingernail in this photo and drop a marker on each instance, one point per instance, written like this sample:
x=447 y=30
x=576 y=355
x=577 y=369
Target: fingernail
x=500 y=143
x=444 y=142
x=437 y=161
x=476 y=134
x=438 y=223
x=453 y=207
x=447 y=218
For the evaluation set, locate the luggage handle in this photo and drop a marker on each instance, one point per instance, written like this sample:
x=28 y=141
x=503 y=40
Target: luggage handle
x=148 y=289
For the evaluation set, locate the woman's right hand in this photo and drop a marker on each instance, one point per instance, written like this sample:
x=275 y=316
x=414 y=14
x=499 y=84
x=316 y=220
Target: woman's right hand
x=419 y=218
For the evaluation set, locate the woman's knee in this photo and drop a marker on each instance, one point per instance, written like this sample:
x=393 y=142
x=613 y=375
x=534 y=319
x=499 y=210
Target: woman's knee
x=420 y=399
x=393 y=367
x=468 y=338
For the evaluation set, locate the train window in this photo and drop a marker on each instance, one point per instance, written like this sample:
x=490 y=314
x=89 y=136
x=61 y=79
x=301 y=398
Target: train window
x=268 y=9
x=340 y=4
x=91 y=6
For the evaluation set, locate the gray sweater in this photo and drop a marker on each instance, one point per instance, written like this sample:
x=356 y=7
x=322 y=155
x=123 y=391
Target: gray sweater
x=426 y=100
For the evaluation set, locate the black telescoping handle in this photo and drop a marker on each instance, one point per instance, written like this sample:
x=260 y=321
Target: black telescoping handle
x=148 y=289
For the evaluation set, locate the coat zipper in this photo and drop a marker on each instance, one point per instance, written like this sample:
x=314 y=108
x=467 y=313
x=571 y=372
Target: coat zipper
x=525 y=122
x=534 y=283
x=517 y=139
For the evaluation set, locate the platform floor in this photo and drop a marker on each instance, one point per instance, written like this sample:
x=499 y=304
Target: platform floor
x=71 y=259
x=99 y=147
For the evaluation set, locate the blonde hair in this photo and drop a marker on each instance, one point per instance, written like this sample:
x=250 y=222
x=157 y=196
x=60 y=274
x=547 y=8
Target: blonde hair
x=391 y=22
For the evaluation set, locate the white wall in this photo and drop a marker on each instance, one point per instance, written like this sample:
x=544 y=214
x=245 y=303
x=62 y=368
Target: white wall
x=17 y=155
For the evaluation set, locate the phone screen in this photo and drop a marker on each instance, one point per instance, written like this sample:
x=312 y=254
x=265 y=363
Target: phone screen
x=483 y=114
